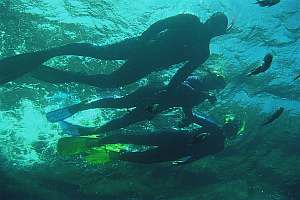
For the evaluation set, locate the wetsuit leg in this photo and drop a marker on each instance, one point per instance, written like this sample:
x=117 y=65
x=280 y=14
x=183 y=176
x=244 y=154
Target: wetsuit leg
x=143 y=96
x=134 y=116
x=18 y=65
x=169 y=146
x=166 y=139
x=129 y=72
x=117 y=51
x=154 y=155
x=109 y=102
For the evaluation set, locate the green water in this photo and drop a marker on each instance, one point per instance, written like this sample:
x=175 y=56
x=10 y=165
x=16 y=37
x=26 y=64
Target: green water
x=260 y=164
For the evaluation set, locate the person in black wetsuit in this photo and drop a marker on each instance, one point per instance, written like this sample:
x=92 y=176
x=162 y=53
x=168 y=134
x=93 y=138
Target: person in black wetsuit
x=182 y=147
x=147 y=103
x=177 y=39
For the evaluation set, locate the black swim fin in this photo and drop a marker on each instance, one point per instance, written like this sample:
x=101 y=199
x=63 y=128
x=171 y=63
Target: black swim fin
x=16 y=66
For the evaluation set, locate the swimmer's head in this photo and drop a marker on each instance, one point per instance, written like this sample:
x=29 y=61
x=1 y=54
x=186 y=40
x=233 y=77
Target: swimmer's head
x=231 y=126
x=217 y=24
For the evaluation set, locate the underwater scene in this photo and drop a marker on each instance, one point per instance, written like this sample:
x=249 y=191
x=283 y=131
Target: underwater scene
x=149 y=100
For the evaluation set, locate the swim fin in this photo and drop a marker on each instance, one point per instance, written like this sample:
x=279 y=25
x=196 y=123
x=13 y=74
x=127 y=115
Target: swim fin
x=16 y=66
x=104 y=154
x=97 y=156
x=75 y=130
x=67 y=146
x=63 y=113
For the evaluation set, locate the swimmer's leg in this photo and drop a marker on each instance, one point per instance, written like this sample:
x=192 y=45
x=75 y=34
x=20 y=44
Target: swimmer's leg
x=129 y=72
x=150 y=156
x=18 y=65
x=134 y=116
x=168 y=139
x=110 y=102
x=165 y=148
x=63 y=113
x=141 y=97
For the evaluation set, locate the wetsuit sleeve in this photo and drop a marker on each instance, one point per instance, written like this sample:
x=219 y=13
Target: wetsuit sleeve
x=170 y=22
x=205 y=123
x=183 y=72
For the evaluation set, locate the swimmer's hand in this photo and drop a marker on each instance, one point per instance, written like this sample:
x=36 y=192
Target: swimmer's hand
x=212 y=98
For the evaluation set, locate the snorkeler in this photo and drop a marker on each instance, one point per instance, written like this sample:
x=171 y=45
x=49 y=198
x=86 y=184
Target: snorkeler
x=264 y=67
x=174 y=40
x=147 y=103
x=268 y=3
x=181 y=147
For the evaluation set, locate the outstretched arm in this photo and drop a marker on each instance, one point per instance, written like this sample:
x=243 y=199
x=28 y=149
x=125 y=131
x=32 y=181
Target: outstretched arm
x=207 y=124
x=190 y=117
x=183 y=72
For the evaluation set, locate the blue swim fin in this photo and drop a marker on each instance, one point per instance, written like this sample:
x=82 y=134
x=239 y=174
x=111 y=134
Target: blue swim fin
x=75 y=130
x=63 y=113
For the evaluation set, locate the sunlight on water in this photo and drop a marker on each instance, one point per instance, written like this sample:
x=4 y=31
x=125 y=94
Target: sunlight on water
x=21 y=130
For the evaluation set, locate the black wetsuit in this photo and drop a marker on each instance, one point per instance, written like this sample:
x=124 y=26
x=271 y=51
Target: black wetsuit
x=172 y=145
x=148 y=102
x=177 y=39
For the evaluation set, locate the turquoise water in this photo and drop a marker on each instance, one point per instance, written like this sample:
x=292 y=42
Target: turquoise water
x=261 y=163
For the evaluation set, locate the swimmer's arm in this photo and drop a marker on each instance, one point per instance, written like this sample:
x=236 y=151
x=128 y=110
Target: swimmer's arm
x=195 y=61
x=183 y=72
x=204 y=122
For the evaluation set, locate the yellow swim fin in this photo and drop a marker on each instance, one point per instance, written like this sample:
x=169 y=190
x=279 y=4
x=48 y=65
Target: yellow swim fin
x=97 y=156
x=101 y=155
x=74 y=145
